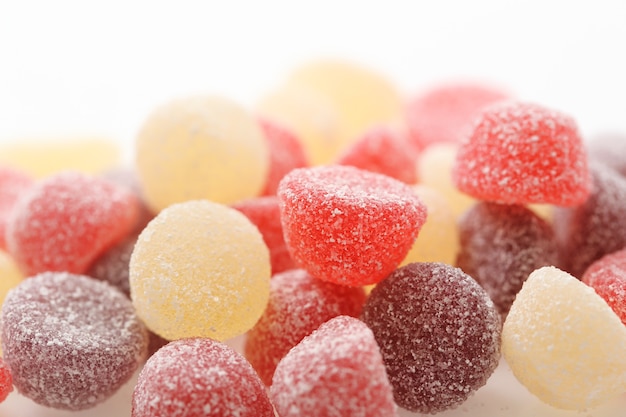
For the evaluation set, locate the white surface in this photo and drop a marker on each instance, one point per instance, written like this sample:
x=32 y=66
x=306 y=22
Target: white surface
x=71 y=67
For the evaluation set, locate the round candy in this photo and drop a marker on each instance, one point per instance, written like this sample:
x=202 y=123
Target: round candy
x=201 y=148
x=446 y=112
x=13 y=183
x=264 y=213
x=64 y=222
x=6 y=381
x=70 y=341
x=501 y=245
x=336 y=371
x=609 y=149
x=112 y=266
x=385 y=150
x=286 y=153
x=298 y=305
x=607 y=276
x=200 y=269
x=564 y=343
x=346 y=225
x=199 y=378
x=595 y=228
x=521 y=153
x=438 y=332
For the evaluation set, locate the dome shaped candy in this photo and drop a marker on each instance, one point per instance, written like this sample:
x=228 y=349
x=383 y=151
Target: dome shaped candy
x=70 y=341
x=520 y=153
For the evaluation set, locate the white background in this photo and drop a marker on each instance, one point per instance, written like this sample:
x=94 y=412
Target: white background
x=83 y=67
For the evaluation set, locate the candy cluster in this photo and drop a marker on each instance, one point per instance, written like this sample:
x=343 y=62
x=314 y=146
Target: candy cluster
x=374 y=253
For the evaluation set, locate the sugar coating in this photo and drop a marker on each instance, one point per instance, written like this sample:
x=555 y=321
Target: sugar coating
x=438 y=240
x=42 y=157
x=438 y=332
x=202 y=147
x=298 y=305
x=383 y=149
x=13 y=183
x=112 y=265
x=521 y=153
x=501 y=245
x=70 y=341
x=346 y=225
x=595 y=228
x=64 y=222
x=444 y=113
x=362 y=96
x=286 y=152
x=564 y=343
x=434 y=170
x=310 y=115
x=199 y=378
x=335 y=371
x=200 y=269
x=264 y=213
x=607 y=276
x=6 y=381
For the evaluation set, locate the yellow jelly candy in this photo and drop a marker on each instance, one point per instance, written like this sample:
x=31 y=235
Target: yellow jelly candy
x=434 y=167
x=201 y=148
x=363 y=97
x=48 y=156
x=438 y=239
x=564 y=343
x=200 y=269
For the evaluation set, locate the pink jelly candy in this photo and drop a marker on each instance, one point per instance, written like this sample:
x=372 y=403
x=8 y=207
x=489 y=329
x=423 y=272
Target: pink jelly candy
x=264 y=213
x=446 y=112
x=6 y=381
x=607 y=276
x=70 y=341
x=13 y=183
x=595 y=228
x=520 y=153
x=384 y=150
x=609 y=150
x=67 y=220
x=346 y=225
x=199 y=378
x=286 y=154
x=298 y=305
x=501 y=245
x=335 y=371
x=438 y=332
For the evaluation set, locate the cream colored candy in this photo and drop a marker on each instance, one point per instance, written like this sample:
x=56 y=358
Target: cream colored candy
x=46 y=156
x=435 y=170
x=564 y=343
x=438 y=239
x=203 y=147
x=200 y=269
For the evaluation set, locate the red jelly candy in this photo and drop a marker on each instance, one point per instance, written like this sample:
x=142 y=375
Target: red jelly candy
x=264 y=213
x=336 y=371
x=346 y=225
x=501 y=245
x=13 y=183
x=286 y=154
x=298 y=305
x=70 y=341
x=445 y=113
x=384 y=150
x=438 y=332
x=6 y=381
x=607 y=276
x=67 y=220
x=595 y=228
x=199 y=378
x=519 y=153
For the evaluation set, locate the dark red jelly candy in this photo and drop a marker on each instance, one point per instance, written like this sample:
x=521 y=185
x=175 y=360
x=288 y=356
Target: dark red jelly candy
x=298 y=305
x=501 y=245
x=438 y=332
x=70 y=341
x=199 y=378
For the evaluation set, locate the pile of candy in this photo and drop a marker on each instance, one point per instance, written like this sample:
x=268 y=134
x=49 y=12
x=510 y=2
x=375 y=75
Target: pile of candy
x=378 y=256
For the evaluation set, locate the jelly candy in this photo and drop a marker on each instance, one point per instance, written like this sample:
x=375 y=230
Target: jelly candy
x=607 y=276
